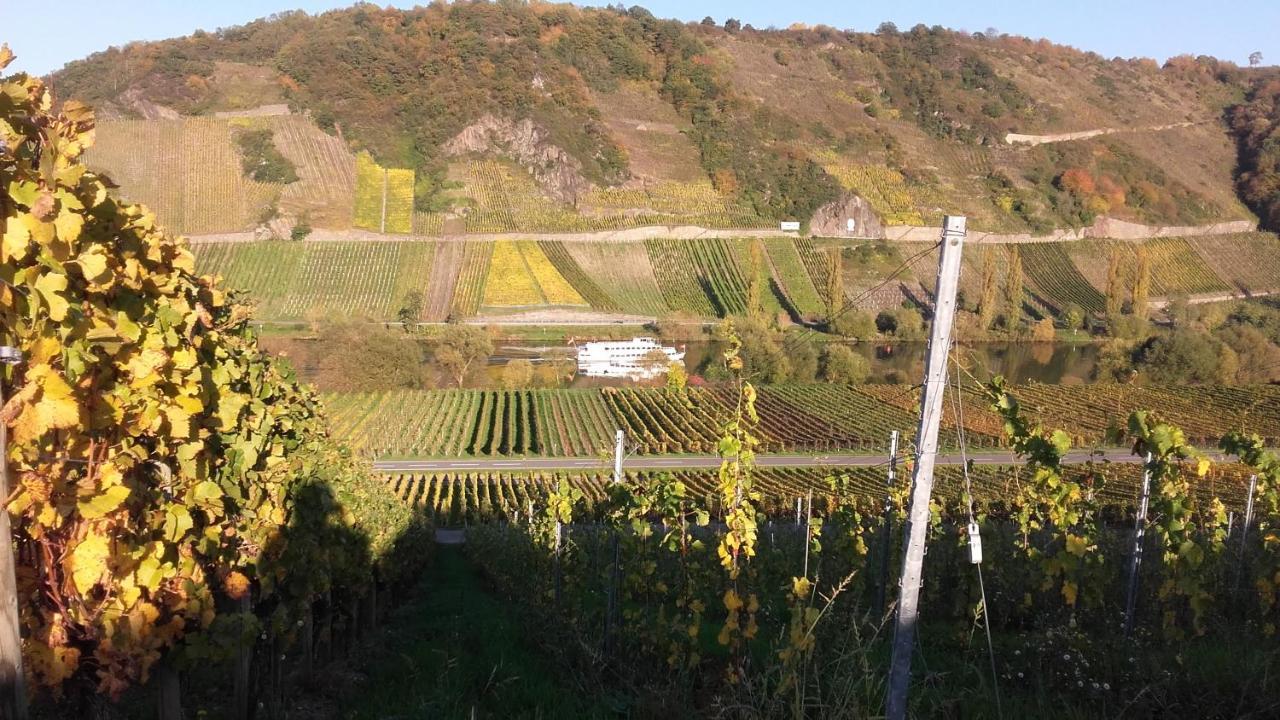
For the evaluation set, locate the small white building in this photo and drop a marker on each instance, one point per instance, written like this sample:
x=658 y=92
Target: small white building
x=624 y=358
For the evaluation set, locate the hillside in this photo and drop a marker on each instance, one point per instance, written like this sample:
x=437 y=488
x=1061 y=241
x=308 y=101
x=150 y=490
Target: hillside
x=507 y=279
x=552 y=118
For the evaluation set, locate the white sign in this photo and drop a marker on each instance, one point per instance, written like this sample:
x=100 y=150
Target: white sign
x=789 y=225
x=850 y=225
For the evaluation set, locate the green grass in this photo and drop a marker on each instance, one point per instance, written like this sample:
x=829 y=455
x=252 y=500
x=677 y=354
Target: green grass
x=458 y=651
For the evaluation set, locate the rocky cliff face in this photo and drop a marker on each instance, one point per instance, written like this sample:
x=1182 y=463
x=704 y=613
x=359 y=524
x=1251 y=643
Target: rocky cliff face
x=556 y=171
x=832 y=219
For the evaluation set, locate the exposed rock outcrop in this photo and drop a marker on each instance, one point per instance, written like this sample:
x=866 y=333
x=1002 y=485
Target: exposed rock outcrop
x=556 y=171
x=832 y=219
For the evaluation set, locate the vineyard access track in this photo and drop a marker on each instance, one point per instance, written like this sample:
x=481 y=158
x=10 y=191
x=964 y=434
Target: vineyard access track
x=688 y=462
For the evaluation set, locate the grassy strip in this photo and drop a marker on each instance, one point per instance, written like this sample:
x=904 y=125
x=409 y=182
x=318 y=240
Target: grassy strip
x=456 y=651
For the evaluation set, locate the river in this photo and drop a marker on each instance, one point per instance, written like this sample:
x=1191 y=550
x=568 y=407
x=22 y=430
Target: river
x=1065 y=363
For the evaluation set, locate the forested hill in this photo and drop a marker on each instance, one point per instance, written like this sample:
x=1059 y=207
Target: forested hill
x=614 y=113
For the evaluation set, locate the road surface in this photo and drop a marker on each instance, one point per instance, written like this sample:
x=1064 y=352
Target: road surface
x=689 y=462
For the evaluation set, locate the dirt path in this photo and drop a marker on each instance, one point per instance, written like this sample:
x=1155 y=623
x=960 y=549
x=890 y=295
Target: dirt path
x=1206 y=298
x=444 y=277
x=1022 y=139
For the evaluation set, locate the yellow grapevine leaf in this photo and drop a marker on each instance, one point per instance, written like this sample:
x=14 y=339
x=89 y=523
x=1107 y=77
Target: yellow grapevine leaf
x=50 y=286
x=88 y=562
x=1069 y=591
x=93 y=263
x=1202 y=466
x=104 y=502
x=55 y=409
x=15 y=243
x=68 y=225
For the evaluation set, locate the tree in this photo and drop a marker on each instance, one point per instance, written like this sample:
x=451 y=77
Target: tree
x=988 y=304
x=840 y=364
x=1115 y=285
x=1013 y=287
x=1072 y=317
x=410 y=311
x=677 y=376
x=1259 y=358
x=1043 y=331
x=835 y=283
x=1141 y=286
x=1185 y=357
x=356 y=356
x=517 y=375
x=708 y=21
x=732 y=25
x=856 y=324
x=1255 y=58
x=459 y=347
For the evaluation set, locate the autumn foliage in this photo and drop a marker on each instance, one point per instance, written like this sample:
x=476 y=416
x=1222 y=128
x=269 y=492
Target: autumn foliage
x=158 y=460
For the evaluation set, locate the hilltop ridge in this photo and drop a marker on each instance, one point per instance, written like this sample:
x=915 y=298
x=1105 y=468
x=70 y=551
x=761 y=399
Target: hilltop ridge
x=546 y=117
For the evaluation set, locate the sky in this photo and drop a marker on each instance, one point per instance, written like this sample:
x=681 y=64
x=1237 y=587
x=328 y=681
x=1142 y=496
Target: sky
x=1159 y=29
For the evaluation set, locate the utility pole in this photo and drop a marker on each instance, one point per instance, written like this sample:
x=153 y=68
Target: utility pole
x=13 y=690
x=886 y=526
x=619 y=440
x=935 y=385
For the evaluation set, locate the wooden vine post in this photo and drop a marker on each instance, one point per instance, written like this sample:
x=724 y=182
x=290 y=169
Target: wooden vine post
x=13 y=691
x=935 y=386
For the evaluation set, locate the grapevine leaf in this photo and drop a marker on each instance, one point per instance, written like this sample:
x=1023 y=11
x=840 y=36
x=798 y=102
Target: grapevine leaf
x=104 y=502
x=50 y=287
x=88 y=562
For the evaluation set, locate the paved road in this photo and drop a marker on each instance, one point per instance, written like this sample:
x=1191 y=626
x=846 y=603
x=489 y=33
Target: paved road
x=643 y=462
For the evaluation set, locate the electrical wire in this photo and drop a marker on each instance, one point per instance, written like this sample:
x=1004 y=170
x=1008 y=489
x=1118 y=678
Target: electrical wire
x=853 y=304
x=957 y=409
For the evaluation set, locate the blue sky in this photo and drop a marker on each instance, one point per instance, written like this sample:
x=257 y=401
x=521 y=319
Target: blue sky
x=1229 y=29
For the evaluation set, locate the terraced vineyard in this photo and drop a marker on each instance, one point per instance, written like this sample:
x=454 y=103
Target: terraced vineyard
x=1056 y=280
x=819 y=418
x=582 y=282
x=885 y=188
x=471 y=279
x=816 y=264
x=383 y=197
x=793 y=278
x=623 y=271
x=187 y=171
x=677 y=276
x=1248 y=261
x=520 y=275
x=288 y=280
x=474 y=497
x=326 y=172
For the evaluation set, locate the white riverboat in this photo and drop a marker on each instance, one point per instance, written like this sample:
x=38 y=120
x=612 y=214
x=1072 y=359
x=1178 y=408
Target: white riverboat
x=633 y=359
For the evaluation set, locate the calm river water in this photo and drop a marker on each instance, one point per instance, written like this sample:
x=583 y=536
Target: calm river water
x=903 y=362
